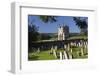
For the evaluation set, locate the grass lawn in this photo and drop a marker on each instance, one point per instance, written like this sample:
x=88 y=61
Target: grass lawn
x=78 y=37
x=45 y=55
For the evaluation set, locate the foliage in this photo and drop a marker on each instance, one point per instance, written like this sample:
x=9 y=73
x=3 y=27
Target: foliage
x=81 y=23
x=47 y=19
x=33 y=34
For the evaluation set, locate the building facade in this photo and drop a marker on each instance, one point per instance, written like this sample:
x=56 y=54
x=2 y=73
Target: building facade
x=63 y=32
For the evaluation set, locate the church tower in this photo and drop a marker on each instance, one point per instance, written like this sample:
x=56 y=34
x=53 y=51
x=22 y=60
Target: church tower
x=63 y=32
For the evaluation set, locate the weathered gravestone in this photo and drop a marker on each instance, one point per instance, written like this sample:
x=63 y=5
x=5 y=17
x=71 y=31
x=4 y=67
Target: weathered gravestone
x=55 y=47
x=61 y=56
x=65 y=55
x=82 y=51
x=38 y=50
x=65 y=46
x=54 y=53
x=68 y=47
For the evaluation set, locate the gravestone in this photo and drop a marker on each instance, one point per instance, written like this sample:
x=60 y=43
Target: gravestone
x=54 y=53
x=82 y=51
x=65 y=55
x=55 y=47
x=70 y=56
x=86 y=43
x=65 y=46
x=79 y=44
x=61 y=57
x=75 y=44
x=38 y=50
x=71 y=50
x=52 y=49
x=77 y=53
x=68 y=47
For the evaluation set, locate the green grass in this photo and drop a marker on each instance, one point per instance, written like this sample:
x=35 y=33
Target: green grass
x=45 y=55
x=78 y=37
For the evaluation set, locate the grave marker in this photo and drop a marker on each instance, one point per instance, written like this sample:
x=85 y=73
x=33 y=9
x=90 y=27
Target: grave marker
x=65 y=55
x=61 y=57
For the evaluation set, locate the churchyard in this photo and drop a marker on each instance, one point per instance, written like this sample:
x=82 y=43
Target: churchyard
x=71 y=50
x=57 y=37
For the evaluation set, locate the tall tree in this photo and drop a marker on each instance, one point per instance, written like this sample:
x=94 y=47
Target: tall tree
x=32 y=34
x=82 y=24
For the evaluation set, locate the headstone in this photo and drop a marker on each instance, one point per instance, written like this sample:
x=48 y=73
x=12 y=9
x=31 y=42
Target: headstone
x=77 y=53
x=61 y=57
x=65 y=46
x=68 y=47
x=55 y=47
x=72 y=43
x=52 y=48
x=85 y=46
x=38 y=50
x=79 y=44
x=54 y=53
x=70 y=56
x=71 y=50
x=75 y=44
x=86 y=43
x=65 y=55
x=82 y=51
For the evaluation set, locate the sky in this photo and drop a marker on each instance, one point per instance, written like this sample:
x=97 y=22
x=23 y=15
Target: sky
x=53 y=27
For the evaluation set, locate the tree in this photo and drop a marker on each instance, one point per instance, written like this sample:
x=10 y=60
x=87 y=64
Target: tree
x=82 y=24
x=47 y=19
x=32 y=34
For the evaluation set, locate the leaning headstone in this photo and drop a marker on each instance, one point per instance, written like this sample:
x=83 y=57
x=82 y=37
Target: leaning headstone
x=61 y=57
x=65 y=55
x=54 y=53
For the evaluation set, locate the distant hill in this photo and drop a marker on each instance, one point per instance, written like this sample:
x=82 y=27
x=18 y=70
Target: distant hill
x=74 y=34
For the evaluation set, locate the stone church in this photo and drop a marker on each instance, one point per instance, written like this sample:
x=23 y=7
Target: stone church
x=63 y=32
